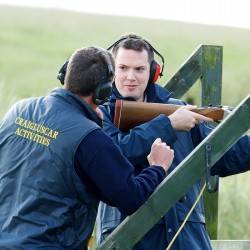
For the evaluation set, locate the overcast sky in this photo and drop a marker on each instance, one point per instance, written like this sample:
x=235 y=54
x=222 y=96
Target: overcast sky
x=235 y=13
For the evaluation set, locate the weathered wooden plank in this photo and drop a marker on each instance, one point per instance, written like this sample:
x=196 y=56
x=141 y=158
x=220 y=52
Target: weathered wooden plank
x=187 y=75
x=211 y=87
x=205 y=63
x=211 y=80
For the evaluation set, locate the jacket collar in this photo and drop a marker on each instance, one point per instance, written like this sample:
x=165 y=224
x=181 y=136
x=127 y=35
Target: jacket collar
x=77 y=102
x=155 y=93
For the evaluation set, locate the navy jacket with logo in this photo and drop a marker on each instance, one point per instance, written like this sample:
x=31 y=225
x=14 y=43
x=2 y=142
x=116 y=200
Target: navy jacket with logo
x=56 y=163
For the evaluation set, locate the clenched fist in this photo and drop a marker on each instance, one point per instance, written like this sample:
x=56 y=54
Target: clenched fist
x=160 y=154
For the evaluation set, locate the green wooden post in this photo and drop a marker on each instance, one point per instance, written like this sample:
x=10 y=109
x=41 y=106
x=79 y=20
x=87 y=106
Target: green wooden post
x=211 y=83
x=211 y=77
x=180 y=180
x=204 y=64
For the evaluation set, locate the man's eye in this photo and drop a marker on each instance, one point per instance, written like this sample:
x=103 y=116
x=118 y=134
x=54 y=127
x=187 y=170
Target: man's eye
x=140 y=69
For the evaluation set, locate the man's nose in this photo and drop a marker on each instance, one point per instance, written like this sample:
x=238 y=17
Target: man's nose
x=131 y=75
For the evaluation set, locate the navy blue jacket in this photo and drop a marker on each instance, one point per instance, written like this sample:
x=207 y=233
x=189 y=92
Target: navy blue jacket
x=136 y=143
x=56 y=163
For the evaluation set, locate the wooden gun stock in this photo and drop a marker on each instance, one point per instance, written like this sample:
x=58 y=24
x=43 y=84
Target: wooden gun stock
x=129 y=114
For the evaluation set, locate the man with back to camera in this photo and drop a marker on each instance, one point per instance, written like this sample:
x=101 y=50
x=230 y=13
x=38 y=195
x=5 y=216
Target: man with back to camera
x=136 y=71
x=56 y=162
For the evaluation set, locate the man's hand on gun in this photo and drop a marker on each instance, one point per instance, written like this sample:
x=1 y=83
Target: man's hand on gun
x=160 y=154
x=183 y=119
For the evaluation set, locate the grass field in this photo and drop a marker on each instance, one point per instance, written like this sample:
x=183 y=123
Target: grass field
x=34 y=43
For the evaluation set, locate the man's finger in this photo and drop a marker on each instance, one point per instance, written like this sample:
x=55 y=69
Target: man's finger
x=200 y=117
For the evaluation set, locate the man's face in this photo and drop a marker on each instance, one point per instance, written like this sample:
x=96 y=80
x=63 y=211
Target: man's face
x=132 y=71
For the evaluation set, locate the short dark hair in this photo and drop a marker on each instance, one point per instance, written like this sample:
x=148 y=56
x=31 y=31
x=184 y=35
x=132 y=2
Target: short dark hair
x=87 y=67
x=134 y=42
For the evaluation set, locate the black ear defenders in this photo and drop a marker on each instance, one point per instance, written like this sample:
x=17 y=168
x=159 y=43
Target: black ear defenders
x=62 y=72
x=104 y=88
x=156 y=70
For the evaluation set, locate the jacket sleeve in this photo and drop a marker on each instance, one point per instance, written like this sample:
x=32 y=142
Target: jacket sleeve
x=101 y=165
x=136 y=143
x=236 y=160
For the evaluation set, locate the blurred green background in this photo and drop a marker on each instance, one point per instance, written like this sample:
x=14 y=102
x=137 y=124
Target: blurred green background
x=34 y=43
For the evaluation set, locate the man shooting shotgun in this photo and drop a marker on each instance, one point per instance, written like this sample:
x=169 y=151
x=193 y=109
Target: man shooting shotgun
x=136 y=73
x=129 y=114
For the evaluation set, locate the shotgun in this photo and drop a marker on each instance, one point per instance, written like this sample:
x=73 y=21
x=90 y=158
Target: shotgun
x=129 y=114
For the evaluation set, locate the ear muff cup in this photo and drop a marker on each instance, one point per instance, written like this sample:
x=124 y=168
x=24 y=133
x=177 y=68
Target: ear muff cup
x=155 y=71
x=62 y=72
x=102 y=92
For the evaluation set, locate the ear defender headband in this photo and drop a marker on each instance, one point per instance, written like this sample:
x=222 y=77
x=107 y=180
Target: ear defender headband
x=103 y=90
x=156 y=70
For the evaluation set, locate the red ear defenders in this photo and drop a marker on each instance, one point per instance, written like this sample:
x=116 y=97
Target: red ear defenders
x=156 y=70
x=103 y=90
